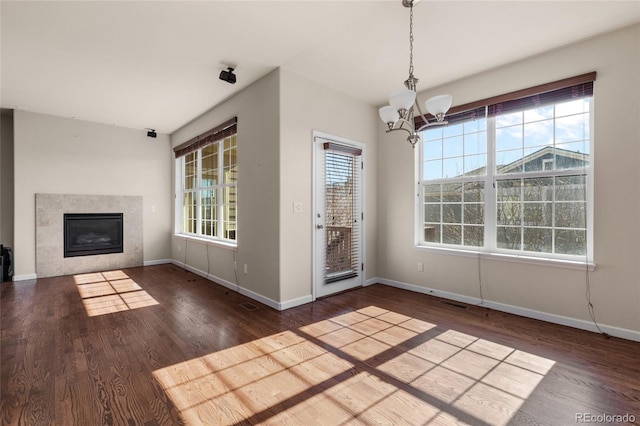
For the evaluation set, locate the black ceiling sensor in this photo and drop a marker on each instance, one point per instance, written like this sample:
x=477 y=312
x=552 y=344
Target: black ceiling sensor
x=151 y=133
x=228 y=76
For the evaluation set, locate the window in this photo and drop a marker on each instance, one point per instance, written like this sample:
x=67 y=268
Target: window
x=206 y=184
x=511 y=177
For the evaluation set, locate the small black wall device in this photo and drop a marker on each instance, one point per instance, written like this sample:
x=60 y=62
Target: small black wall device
x=228 y=76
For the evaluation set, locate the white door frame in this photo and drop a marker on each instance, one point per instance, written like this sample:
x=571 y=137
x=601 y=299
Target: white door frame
x=316 y=137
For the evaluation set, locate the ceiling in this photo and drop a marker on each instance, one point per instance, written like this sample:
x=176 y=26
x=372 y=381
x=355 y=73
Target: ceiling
x=155 y=64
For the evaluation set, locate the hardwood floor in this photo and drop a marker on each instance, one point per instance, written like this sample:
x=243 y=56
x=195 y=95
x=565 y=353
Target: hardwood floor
x=161 y=346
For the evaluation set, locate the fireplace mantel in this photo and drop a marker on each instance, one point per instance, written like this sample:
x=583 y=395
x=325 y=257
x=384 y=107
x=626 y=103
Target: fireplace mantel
x=50 y=210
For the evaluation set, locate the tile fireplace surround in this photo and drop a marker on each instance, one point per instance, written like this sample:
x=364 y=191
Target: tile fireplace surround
x=50 y=208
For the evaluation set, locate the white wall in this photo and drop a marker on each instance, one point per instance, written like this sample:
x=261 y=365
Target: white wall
x=551 y=290
x=306 y=106
x=257 y=109
x=65 y=156
x=276 y=118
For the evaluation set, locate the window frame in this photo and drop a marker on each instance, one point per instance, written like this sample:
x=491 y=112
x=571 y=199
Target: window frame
x=219 y=138
x=490 y=179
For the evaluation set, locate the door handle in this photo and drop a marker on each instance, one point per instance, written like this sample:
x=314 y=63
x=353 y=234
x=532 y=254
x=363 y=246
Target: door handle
x=319 y=226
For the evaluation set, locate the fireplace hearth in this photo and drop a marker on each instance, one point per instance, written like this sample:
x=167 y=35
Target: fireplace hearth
x=87 y=234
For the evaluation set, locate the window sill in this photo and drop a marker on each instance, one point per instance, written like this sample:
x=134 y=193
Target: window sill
x=505 y=257
x=210 y=242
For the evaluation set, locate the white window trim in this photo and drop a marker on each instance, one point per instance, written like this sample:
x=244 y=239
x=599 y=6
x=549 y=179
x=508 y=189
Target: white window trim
x=219 y=188
x=583 y=262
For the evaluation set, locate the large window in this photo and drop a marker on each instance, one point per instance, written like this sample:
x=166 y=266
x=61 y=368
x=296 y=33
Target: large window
x=206 y=184
x=511 y=177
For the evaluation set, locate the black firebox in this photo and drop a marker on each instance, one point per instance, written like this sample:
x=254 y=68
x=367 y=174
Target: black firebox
x=87 y=234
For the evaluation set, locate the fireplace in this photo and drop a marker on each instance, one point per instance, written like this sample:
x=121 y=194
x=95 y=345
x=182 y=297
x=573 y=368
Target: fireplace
x=88 y=234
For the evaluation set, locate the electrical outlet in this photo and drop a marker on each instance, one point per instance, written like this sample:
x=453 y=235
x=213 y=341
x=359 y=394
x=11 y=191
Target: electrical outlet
x=235 y=266
x=297 y=207
x=246 y=269
x=420 y=267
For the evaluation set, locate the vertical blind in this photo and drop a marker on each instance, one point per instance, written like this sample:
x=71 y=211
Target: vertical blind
x=342 y=212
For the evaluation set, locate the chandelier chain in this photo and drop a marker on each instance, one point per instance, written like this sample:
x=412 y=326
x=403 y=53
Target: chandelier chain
x=411 y=40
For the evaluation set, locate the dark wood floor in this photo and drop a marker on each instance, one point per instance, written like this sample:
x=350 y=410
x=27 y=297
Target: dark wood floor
x=161 y=346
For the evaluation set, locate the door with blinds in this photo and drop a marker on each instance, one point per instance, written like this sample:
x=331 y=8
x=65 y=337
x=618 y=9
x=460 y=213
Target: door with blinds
x=338 y=217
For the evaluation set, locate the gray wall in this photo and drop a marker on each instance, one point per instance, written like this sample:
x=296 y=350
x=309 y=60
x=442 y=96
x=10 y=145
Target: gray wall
x=58 y=155
x=545 y=289
x=276 y=119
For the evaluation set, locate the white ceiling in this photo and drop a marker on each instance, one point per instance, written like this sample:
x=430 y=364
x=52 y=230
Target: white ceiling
x=156 y=64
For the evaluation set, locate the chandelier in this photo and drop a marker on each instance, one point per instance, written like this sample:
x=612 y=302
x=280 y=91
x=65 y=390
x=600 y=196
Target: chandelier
x=399 y=115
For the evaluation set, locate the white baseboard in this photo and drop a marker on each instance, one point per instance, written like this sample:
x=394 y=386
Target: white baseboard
x=280 y=306
x=25 y=277
x=156 y=262
x=524 y=312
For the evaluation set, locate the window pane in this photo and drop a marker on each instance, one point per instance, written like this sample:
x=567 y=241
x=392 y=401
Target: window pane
x=434 y=133
x=509 y=214
x=474 y=236
x=508 y=138
x=451 y=213
x=504 y=120
x=509 y=161
x=452 y=234
x=189 y=212
x=230 y=160
x=509 y=190
x=537 y=240
x=229 y=212
x=432 y=213
x=208 y=213
x=432 y=170
x=538 y=189
x=571 y=128
x=475 y=165
x=508 y=238
x=538 y=214
x=473 y=192
x=432 y=232
x=571 y=215
x=473 y=126
x=452 y=167
x=452 y=192
x=571 y=188
x=474 y=213
x=570 y=241
x=209 y=165
x=432 y=193
x=433 y=150
x=190 y=170
x=453 y=130
x=537 y=114
x=475 y=143
x=539 y=133
x=572 y=107
x=453 y=147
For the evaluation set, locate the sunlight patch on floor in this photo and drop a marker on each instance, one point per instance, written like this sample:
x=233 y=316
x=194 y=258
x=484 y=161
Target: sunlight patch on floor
x=109 y=292
x=414 y=373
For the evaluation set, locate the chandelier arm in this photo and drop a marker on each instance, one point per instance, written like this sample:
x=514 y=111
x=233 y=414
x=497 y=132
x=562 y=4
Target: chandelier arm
x=400 y=128
x=435 y=123
x=424 y=119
